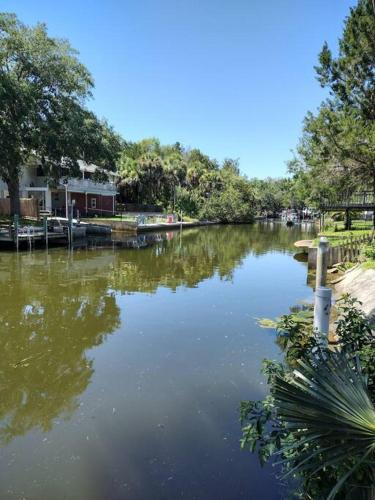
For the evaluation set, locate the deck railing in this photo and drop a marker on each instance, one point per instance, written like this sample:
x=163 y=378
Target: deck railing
x=92 y=186
x=145 y=219
x=363 y=199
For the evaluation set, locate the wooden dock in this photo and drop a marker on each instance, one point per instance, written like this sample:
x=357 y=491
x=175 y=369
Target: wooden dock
x=134 y=227
x=31 y=238
x=31 y=235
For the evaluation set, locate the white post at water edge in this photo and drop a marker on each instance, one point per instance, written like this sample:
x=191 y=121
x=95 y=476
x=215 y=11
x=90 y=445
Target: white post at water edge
x=322 y=309
x=322 y=262
x=323 y=295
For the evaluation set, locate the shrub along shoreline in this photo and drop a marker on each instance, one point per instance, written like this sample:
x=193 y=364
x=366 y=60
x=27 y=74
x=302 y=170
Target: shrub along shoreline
x=318 y=423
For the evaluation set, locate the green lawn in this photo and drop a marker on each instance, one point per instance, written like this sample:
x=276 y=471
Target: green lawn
x=369 y=264
x=336 y=233
x=339 y=226
x=336 y=239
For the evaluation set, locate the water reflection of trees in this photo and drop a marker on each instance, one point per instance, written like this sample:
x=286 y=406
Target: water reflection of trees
x=189 y=257
x=51 y=313
x=54 y=308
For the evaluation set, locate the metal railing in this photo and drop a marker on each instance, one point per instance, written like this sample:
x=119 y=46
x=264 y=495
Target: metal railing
x=361 y=199
x=145 y=219
x=89 y=185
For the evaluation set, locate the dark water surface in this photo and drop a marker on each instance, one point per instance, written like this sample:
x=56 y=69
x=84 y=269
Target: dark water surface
x=122 y=370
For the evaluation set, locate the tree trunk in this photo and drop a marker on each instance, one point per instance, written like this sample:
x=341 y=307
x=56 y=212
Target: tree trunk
x=347 y=220
x=14 y=195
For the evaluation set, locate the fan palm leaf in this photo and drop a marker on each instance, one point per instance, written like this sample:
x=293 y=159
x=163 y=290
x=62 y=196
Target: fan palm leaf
x=328 y=408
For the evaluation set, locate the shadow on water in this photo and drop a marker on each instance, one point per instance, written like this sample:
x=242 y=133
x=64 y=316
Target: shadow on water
x=57 y=307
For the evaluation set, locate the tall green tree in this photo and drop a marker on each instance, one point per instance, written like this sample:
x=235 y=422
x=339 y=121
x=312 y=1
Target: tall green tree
x=350 y=76
x=43 y=88
x=273 y=195
x=338 y=143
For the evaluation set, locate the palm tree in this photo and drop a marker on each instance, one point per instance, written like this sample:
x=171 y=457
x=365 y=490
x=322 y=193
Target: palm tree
x=174 y=173
x=327 y=408
x=129 y=183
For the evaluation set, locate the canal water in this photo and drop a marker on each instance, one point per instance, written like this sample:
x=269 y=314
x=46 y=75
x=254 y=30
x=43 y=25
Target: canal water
x=123 y=364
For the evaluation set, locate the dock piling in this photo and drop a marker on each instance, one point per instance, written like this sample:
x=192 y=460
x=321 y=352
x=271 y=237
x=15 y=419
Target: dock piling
x=16 y=226
x=45 y=227
x=70 y=225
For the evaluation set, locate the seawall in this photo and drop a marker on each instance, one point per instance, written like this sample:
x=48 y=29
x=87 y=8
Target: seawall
x=359 y=283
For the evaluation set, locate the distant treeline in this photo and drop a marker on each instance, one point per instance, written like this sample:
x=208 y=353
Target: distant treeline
x=187 y=180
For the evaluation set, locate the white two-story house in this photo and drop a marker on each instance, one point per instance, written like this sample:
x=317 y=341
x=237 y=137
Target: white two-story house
x=88 y=196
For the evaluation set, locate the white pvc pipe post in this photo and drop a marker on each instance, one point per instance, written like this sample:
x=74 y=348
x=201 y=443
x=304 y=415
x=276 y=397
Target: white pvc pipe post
x=45 y=225
x=70 y=227
x=16 y=229
x=66 y=200
x=322 y=309
x=322 y=262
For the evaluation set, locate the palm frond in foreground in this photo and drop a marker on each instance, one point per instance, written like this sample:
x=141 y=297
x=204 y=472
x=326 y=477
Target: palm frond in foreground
x=328 y=408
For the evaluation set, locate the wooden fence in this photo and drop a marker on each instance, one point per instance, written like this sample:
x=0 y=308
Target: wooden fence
x=348 y=251
x=29 y=207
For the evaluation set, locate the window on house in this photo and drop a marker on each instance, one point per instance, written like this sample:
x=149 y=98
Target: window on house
x=93 y=202
x=39 y=171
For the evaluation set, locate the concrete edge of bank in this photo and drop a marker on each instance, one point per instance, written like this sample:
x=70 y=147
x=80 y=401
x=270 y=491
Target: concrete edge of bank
x=359 y=283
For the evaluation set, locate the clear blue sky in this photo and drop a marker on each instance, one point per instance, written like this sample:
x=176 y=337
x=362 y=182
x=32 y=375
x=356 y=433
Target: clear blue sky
x=232 y=77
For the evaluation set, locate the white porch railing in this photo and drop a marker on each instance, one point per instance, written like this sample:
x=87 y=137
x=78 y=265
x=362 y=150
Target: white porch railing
x=87 y=185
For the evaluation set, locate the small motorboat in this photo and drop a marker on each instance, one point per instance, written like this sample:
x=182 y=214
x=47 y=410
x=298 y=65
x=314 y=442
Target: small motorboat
x=290 y=217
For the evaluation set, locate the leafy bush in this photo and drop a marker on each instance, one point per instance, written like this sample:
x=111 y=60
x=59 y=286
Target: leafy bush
x=368 y=251
x=227 y=206
x=319 y=418
x=187 y=202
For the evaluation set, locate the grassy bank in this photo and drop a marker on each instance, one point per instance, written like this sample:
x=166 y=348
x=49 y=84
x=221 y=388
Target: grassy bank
x=369 y=264
x=336 y=233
